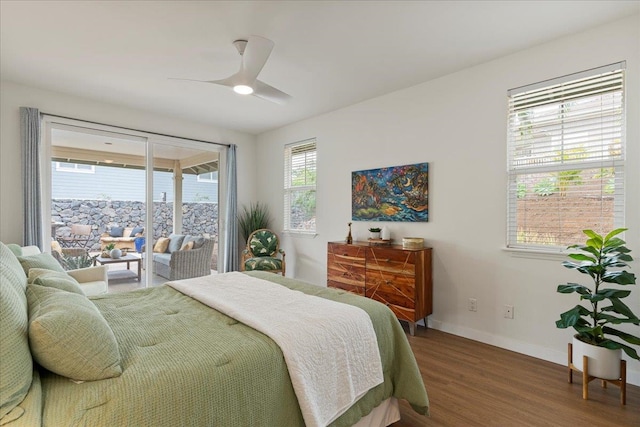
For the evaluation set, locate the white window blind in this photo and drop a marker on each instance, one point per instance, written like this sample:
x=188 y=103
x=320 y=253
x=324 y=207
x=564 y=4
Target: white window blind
x=300 y=187
x=566 y=157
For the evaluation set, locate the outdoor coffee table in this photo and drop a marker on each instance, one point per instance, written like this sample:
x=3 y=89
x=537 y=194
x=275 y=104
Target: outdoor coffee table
x=121 y=274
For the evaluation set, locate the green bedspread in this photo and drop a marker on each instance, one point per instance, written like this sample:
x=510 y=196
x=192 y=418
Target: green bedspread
x=185 y=364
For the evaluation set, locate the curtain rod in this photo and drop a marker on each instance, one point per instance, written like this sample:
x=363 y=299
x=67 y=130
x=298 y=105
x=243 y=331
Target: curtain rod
x=136 y=130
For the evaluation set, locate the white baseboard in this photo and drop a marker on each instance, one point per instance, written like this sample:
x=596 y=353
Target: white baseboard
x=544 y=353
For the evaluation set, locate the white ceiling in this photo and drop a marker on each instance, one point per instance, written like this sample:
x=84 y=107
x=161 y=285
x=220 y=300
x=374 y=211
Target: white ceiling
x=327 y=55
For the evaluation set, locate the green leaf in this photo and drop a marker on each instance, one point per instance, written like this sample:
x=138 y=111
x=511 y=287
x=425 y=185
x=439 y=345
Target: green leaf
x=595 y=243
x=614 y=233
x=614 y=345
x=572 y=317
x=573 y=287
x=614 y=243
x=615 y=293
x=592 y=234
x=631 y=339
x=619 y=277
x=621 y=308
x=582 y=257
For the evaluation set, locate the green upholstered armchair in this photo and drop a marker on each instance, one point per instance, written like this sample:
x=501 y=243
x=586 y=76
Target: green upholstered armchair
x=262 y=253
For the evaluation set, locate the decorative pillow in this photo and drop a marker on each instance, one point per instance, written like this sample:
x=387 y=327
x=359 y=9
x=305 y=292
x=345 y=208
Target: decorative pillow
x=175 y=242
x=136 y=231
x=16 y=249
x=69 y=336
x=187 y=246
x=43 y=260
x=264 y=243
x=116 y=231
x=16 y=364
x=197 y=241
x=54 y=279
x=161 y=245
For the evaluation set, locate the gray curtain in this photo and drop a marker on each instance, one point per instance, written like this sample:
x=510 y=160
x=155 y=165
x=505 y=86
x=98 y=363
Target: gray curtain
x=30 y=136
x=231 y=251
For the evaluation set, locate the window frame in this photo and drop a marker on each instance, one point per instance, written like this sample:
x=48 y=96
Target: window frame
x=516 y=170
x=61 y=168
x=304 y=146
x=212 y=180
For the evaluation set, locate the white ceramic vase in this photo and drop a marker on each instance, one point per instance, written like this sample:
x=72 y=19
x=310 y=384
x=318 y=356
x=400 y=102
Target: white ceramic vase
x=603 y=362
x=115 y=253
x=385 y=234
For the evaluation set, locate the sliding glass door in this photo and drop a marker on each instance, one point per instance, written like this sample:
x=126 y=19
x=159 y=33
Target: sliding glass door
x=107 y=189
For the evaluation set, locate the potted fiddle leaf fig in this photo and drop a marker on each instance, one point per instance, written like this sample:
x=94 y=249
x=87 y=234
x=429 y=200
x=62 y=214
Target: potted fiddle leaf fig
x=603 y=260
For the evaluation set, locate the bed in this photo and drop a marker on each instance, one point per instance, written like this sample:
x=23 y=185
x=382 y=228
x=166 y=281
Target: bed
x=184 y=363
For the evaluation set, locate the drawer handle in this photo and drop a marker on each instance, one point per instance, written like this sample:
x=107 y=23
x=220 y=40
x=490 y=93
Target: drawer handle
x=345 y=254
x=387 y=260
x=388 y=282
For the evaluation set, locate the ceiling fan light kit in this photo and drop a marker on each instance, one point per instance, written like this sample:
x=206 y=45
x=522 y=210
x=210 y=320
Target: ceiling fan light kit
x=243 y=89
x=254 y=53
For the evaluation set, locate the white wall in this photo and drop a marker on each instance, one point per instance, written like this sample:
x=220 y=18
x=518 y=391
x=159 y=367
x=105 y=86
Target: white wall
x=15 y=96
x=458 y=124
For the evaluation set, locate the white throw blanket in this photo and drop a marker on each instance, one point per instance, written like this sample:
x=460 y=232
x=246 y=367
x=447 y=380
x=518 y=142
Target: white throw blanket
x=330 y=348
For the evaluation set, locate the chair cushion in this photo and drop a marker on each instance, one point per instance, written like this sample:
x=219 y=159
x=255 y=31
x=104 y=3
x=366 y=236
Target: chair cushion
x=263 y=244
x=97 y=287
x=69 y=336
x=175 y=242
x=187 y=246
x=161 y=245
x=162 y=258
x=16 y=364
x=136 y=231
x=116 y=232
x=263 y=263
x=54 y=279
x=43 y=260
x=197 y=241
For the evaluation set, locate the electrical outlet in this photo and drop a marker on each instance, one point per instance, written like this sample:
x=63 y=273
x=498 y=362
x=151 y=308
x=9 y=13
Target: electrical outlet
x=508 y=312
x=473 y=304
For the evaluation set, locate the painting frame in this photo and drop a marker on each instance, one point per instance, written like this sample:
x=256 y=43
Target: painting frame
x=394 y=194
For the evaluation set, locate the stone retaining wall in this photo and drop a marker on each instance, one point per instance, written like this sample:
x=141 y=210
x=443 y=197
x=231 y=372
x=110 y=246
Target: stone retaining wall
x=200 y=219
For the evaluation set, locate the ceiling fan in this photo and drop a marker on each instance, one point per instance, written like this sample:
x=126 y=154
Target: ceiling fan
x=254 y=53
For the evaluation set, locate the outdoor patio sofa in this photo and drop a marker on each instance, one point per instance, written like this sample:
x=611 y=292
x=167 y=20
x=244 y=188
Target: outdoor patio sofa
x=175 y=257
x=124 y=238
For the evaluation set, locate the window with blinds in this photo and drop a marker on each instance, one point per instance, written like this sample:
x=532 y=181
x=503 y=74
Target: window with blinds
x=566 y=153
x=300 y=187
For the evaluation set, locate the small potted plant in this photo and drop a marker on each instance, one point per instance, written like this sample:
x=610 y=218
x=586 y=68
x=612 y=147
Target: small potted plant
x=602 y=260
x=374 y=233
x=106 y=253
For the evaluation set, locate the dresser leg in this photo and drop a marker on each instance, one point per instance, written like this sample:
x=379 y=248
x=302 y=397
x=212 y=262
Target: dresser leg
x=412 y=328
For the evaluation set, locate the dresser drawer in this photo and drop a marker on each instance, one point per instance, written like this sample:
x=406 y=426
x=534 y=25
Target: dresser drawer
x=392 y=261
x=404 y=313
x=396 y=288
x=357 y=289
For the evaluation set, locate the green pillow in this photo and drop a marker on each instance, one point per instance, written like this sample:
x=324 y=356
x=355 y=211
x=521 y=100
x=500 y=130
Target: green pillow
x=43 y=260
x=16 y=249
x=54 y=279
x=16 y=365
x=69 y=336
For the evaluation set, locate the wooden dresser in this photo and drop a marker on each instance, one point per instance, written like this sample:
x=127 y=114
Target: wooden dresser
x=397 y=277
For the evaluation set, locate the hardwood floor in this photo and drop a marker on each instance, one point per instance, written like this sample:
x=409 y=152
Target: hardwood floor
x=474 y=384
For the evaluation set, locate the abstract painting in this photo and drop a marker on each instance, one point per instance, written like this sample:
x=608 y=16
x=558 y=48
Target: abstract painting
x=398 y=193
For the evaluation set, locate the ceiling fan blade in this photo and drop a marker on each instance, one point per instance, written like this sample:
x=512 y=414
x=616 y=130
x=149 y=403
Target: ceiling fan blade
x=270 y=93
x=255 y=55
x=191 y=80
x=229 y=81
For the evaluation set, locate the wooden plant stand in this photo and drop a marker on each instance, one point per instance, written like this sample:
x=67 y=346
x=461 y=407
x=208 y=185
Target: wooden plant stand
x=586 y=378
